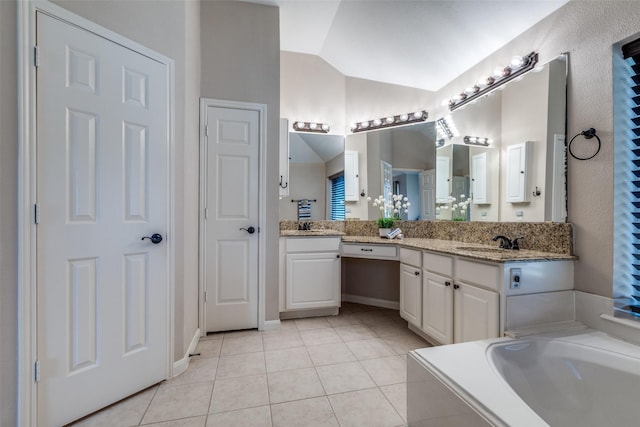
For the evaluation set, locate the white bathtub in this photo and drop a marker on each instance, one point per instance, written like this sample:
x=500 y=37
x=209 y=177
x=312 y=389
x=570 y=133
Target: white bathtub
x=584 y=379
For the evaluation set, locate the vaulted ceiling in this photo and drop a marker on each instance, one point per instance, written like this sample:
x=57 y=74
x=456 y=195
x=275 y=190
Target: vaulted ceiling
x=417 y=43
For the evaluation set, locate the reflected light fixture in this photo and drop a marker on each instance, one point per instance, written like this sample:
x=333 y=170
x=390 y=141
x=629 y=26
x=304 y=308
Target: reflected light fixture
x=477 y=140
x=390 y=121
x=446 y=127
x=501 y=75
x=311 y=127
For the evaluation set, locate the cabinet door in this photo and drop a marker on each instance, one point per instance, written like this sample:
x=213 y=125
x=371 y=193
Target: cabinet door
x=479 y=183
x=475 y=313
x=518 y=172
x=437 y=307
x=443 y=179
x=351 y=176
x=313 y=280
x=411 y=294
x=284 y=158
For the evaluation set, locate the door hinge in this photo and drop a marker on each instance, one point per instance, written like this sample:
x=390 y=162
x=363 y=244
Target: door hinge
x=36 y=56
x=36 y=213
x=205 y=297
x=36 y=371
x=206 y=213
x=206 y=130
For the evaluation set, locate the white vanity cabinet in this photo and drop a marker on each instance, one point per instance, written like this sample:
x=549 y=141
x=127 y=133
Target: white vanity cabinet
x=455 y=308
x=411 y=286
x=311 y=273
x=518 y=174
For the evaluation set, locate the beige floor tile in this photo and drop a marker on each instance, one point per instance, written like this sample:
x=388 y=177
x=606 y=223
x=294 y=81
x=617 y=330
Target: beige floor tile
x=386 y=370
x=327 y=354
x=250 y=417
x=285 y=325
x=344 y=319
x=390 y=329
x=241 y=344
x=213 y=336
x=184 y=422
x=314 y=412
x=312 y=323
x=298 y=384
x=126 y=413
x=242 y=333
x=397 y=395
x=343 y=377
x=208 y=348
x=402 y=344
x=283 y=339
x=354 y=332
x=239 y=393
x=364 y=408
x=239 y=365
x=199 y=370
x=320 y=336
x=369 y=349
x=287 y=359
x=179 y=401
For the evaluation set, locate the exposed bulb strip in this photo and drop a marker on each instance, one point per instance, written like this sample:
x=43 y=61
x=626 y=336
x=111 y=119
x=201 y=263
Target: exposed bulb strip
x=311 y=127
x=390 y=121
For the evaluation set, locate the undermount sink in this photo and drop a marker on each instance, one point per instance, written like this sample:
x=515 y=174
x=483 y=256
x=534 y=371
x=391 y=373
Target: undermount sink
x=477 y=249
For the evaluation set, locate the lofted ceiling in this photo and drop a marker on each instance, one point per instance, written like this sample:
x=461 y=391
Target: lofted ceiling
x=417 y=43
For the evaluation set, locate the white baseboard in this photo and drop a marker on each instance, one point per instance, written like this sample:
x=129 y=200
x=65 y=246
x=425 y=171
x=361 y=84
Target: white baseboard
x=313 y=312
x=394 y=305
x=270 y=325
x=180 y=366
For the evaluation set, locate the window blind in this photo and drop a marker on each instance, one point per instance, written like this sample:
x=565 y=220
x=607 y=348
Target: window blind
x=337 y=197
x=626 y=287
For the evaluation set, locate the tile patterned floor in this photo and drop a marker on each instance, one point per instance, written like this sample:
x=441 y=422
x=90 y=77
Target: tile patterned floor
x=346 y=370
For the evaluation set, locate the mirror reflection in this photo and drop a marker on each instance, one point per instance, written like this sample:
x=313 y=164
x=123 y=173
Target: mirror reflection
x=520 y=175
x=315 y=162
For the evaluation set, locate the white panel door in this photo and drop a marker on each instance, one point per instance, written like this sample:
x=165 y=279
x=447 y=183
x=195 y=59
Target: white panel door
x=102 y=156
x=313 y=280
x=517 y=176
x=479 y=184
x=443 y=179
x=428 y=194
x=437 y=307
x=411 y=294
x=232 y=146
x=351 y=176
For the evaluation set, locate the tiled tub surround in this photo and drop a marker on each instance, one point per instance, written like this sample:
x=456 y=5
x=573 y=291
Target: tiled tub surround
x=549 y=237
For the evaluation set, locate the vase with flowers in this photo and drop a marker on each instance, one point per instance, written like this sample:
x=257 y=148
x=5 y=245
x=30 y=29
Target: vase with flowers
x=457 y=209
x=392 y=208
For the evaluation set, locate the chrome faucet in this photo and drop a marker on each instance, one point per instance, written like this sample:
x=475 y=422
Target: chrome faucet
x=304 y=226
x=505 y=243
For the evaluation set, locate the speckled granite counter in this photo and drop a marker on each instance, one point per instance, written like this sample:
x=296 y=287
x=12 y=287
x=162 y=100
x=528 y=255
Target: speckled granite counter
x=310 y=233
x=470 y=250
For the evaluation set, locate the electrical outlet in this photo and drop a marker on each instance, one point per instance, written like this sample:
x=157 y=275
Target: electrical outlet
x=515 y=278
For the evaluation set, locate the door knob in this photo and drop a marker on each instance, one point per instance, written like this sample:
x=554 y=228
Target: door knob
x=249 y=230
x=155 y=238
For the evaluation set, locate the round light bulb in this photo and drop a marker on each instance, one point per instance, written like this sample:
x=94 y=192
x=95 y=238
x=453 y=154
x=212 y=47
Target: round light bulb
x=313 y=126
x=377 y=122
x=405 y=117
x=298 y=125
x=417 y=115
x=498 y=72
x=325 y=127
x=389 y=120
x=517 y=62
x=469 y=90
x=364 y=125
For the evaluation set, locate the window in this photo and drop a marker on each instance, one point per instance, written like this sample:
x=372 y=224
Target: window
x=626 y=110
x=336 y=197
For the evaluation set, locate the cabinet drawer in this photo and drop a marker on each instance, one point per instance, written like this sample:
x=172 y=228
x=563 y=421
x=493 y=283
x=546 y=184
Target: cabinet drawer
x=313 y=244
x=370 y=251
x=440 y=264
x=410 y=257
x=486 y=275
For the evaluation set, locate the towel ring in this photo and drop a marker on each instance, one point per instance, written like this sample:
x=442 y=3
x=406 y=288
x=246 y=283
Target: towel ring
x=588 y=134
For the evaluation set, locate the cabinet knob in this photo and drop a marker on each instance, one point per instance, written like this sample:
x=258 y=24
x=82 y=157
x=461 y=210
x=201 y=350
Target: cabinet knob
x=456 y=286
x=417 y=273
x=447 y=283
x=338 y=256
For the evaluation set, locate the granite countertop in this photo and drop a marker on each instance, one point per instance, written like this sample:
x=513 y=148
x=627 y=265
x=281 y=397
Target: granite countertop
x=308 y=233
x=470 y=250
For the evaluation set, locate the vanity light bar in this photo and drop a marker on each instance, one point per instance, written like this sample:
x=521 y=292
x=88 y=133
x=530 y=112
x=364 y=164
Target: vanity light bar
x=446 y=127
x=477 y=140
x=385 y=122
x=311 y=127
x=501 y=75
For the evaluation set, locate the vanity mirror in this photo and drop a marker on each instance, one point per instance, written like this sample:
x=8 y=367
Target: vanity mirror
x=314 y=159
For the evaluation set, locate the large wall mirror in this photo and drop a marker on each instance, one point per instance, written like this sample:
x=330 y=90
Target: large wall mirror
x=519 y=176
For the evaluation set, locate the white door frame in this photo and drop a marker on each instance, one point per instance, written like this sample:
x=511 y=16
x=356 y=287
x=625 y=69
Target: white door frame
x=262 y=191
x=27 y=332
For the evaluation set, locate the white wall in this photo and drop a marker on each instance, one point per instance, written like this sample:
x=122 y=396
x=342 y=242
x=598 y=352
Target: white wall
x=306 y=181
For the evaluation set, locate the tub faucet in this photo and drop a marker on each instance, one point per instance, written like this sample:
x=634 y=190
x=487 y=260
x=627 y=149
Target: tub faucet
x=505 y=243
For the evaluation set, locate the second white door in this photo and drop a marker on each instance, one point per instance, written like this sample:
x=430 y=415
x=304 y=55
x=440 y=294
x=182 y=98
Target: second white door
x=231 y=146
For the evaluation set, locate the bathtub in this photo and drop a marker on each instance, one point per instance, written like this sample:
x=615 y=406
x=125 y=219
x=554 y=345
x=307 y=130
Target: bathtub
x=582 y=379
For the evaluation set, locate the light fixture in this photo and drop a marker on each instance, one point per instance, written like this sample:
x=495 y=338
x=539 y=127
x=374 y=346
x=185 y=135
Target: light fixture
x=477 y=140
x=311 y=127
x=446 y=127
x=389 y=121
x=501 y=75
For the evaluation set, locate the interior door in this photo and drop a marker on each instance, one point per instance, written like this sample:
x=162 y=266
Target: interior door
x=232 y=145
x=427 y=184
x=102 y=156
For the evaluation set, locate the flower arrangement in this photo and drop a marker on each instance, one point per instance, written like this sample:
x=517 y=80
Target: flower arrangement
x=458 y=209
x=395 y=205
